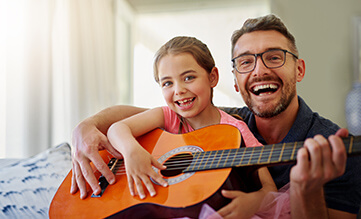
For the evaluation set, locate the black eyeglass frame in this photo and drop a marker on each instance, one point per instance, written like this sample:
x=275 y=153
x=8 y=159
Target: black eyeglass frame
x=261 y=55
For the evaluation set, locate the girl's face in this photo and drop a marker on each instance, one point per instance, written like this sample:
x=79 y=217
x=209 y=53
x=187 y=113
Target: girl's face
x=186 y=86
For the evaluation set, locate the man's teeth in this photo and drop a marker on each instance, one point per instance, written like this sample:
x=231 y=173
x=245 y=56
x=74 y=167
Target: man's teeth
x=264 y=86
x=269 y=88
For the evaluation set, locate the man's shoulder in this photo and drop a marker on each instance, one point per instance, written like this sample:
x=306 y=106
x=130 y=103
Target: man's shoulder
x=321 y=125
x=312 y=122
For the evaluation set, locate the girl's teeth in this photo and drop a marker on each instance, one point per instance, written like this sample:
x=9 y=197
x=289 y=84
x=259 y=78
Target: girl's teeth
x=185 y=102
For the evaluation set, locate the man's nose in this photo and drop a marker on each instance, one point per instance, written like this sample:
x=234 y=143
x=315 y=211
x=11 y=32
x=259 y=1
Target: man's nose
x=260 y=68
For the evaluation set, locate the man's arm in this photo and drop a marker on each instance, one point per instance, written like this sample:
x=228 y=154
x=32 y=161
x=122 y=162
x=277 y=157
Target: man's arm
x=89 y=136
x=317 y=163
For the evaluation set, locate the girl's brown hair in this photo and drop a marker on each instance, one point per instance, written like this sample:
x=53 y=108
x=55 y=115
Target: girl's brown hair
x=183 y=44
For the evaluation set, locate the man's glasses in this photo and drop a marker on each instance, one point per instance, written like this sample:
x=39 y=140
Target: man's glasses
x=274 y=58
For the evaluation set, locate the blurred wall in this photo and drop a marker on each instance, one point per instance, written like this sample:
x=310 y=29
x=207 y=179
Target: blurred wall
x=324 y=36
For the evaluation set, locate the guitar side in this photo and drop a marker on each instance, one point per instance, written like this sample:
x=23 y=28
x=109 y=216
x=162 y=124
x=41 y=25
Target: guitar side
x=183 y=198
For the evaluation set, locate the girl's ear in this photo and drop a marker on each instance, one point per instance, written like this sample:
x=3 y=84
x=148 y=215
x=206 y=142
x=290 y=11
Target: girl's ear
x=214 y=77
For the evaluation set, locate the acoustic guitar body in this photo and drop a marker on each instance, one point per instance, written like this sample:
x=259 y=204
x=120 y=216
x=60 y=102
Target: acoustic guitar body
x=186 y=193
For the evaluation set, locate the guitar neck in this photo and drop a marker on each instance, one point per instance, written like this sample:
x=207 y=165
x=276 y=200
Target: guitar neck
x=264 y=155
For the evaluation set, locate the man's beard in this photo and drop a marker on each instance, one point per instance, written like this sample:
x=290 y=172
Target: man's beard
x=286 y=97
x=274 y=111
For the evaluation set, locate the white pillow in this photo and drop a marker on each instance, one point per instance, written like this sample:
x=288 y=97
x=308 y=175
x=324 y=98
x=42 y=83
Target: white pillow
x=28 y=186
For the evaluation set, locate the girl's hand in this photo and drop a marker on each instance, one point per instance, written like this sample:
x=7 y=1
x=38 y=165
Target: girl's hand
x=245 y=205
x=139 y=169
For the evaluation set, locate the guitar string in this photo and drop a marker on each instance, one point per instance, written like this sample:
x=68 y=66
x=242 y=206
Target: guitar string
x=236 y=156
x=179 y=163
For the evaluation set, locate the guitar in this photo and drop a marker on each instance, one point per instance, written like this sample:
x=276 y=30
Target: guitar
x=196 y=173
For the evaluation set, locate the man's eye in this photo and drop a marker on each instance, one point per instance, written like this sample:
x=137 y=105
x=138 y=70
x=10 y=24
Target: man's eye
x=274 y=58
x=245 y=62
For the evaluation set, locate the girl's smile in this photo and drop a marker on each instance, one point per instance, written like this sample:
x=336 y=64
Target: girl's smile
x=187 y=87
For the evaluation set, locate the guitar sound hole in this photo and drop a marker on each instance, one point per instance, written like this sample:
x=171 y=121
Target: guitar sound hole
x=176 y=164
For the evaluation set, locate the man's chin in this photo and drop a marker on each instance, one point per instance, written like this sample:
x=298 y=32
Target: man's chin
x=267 y=110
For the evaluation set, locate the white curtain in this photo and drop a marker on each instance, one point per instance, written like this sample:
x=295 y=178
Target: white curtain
x=59 y=69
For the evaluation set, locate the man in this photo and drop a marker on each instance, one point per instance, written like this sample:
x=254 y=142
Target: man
x=266 y=70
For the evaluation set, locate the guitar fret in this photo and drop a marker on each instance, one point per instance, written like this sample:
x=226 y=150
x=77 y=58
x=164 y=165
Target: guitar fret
x=250 y=158
x=260 y=156
x=293 y=151
x=283 y=146
x=226 y=161
x=214 y=155
x=256 y=155
x=243 y=153
x=196 y=158
x=219 y=160
x=234 y=157
x=206 y=156
x=276 y=153
x=265 y=155
x=270 y=155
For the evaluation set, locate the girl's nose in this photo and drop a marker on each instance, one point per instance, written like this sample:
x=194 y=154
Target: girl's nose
x=179 y=88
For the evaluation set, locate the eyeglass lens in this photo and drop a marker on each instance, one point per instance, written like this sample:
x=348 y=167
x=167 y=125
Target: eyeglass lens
x=271 y=59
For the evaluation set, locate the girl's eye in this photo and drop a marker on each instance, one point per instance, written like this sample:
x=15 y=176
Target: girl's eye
x=166 y=84
x=188 y=78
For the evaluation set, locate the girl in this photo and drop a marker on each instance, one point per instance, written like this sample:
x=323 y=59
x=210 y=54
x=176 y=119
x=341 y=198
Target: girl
x=185 y=70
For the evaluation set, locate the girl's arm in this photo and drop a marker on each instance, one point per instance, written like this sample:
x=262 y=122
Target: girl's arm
x=138 y=162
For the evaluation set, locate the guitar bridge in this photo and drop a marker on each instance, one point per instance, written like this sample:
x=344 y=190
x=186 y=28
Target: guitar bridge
x=103 y=183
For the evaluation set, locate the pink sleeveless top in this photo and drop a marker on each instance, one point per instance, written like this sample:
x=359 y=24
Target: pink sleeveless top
x=172 y=121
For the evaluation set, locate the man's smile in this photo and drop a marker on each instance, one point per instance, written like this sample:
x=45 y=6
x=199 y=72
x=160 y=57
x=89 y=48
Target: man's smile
x=262 y=89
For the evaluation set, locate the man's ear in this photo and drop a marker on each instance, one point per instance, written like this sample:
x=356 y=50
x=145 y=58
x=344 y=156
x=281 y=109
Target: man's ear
x=301 y=70
x=236 y=87
x=214 y=77
x=235 y=82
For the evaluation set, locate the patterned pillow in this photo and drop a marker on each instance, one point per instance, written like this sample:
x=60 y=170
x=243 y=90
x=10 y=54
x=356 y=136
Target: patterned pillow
x=28 y=185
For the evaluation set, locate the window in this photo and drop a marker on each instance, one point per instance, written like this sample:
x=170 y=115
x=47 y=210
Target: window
x=213 y=26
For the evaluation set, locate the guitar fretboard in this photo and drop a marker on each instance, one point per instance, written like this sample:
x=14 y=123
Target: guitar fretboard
x=264 y=155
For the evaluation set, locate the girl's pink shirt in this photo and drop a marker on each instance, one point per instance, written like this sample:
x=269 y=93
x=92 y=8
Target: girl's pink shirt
x=171 y=124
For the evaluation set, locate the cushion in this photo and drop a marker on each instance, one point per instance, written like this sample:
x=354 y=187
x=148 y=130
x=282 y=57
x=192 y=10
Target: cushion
x=27 y=186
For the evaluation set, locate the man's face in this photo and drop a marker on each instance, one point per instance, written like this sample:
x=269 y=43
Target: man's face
x=267 y=92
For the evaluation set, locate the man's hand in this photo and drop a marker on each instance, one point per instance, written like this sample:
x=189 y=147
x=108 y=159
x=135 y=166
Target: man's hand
x=87 y=141
x=318 y=162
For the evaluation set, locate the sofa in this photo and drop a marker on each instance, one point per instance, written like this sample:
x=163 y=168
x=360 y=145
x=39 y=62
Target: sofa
x=27 y=186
